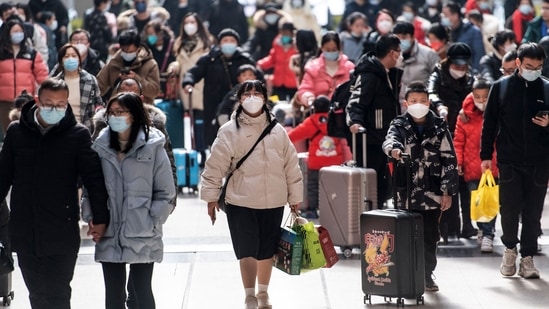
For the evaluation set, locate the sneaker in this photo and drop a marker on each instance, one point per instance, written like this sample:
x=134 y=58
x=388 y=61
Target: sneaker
x=527 y=269
x=479 y=237
x=508 y=266
x=263 y=301
x=250 y=302
x=487 y=245
x=430 y=285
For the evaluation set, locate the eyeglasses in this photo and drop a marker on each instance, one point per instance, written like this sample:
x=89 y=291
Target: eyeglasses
x=117 y=113
x=52 y=107
x=398 y=50
x=252 y=93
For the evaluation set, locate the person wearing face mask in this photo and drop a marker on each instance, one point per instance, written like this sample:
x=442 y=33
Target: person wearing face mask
x=84 y=94
x=537 y=27
x=448 y=85
x=490 y=64
x=323 y=74
x=435 y=176
x=521 y=17
x=439 y=39
x=418 y=62
x=421 y=25
x=96 y=23
x=467 y=144
x=133 y=60
x=91 y=62
x=59 y=10
x=267 y=23
x=370 y=8
x=488 y=24
x=257 y=192
x=49 y=24
x=140 y=16
x=218 y=69
x=353 y=39
x=464 y=32
x=21 y=67
x=131 y=148
x=225 y=14
x=384 y=22
x=431 y=11
x=49 y=136
x=516 y=121
x=374 y=103
x=159 y=39
x=302 y=14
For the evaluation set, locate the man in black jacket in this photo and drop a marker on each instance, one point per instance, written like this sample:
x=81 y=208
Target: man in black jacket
x=42 y=158
x=374 y=103
x=519 y=125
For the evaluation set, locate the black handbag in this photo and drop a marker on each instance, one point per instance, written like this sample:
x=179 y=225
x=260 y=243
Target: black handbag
x=221 y=201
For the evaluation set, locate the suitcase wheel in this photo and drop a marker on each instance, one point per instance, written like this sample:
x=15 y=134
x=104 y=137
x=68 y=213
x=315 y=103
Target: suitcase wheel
x=6 y=300
x=400 y=302
x=368 y=299
x=347 y=251
x=420 y=300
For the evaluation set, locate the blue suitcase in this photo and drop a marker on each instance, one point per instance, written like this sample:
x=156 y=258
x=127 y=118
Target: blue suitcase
x=174 y=123
x=187 y=170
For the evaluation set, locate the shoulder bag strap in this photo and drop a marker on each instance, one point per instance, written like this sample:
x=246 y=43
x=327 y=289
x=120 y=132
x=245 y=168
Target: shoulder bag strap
x=263 y=134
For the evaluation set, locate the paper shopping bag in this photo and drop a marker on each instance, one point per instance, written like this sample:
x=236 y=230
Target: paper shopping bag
x=485 y=200
x=327 y=245
x=313 y=257
x=289 y=252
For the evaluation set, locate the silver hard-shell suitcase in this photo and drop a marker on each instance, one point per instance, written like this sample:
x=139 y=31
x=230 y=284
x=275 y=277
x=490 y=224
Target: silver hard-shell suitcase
x=345 y=192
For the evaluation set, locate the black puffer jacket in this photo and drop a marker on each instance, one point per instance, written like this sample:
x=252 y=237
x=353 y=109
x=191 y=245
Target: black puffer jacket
x=43 y=171
x=489 y=67
x=373 y=102
x=445 y=90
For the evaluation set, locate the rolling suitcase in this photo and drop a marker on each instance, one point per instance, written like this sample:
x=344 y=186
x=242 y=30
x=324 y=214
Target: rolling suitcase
x=345 y=192
x=174 y=120
x=393 y=263
x=187 y=169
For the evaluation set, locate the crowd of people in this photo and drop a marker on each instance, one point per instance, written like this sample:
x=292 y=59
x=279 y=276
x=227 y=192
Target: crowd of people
x=419 y=75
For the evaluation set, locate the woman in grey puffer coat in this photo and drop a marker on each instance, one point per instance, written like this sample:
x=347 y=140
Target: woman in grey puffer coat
x=139 y=181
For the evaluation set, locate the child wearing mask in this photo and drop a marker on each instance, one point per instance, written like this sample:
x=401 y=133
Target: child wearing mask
x=467 y=144
x=423 y=135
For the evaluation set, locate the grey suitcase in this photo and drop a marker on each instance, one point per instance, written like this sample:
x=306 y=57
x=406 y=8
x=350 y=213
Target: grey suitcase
x=345 y=193
x=303 y=162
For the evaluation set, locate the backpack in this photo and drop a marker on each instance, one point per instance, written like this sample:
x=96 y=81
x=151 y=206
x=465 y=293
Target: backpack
x=337 y=122
x=505 y=82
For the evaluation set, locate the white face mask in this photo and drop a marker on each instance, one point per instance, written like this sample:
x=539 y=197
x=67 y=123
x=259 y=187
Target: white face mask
x=190 y=29
x=400 y=61
x=510 y=47
x=417 y=110
x=82 y=49
x=457 y=74
x=530 y=75
x=384 y=26
x=253 y=104
x=480 y=106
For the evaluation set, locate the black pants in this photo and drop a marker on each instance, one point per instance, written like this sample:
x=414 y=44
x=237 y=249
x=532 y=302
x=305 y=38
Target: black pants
x=284 y=93
x=139 y=286
x=431 y=236
x=312 y=189
x=48 y=279
x=522 y=192
x=378 y=161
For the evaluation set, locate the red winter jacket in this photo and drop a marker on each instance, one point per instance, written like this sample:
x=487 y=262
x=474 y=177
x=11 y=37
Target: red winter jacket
x=279 y=59
x=20 y=74
x=467 y=141
x=323 y=149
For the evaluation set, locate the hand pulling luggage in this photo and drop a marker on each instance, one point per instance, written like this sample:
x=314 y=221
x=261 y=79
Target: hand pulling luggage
x=393 y=264
x=187 y=169
x=345 y=192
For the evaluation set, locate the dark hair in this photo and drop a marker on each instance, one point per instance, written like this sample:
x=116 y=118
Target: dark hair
x=509 y=56
x=26 y=8
x=132 y=102
x=331 y=36
x=416 y=87
x=23 y=98
x=411 y=5
x=129 y=81
x=63 y=51
x=129 y=37
x=475 y=15
x=6 y=6
x=387 y=12
x=321 y=104
x=53 y=84
x=403 y=27
x=78 y=31
x=441 y=32
x=247 y=86
x=5 y=38
x=353 y=17
x=386 y=43
x=530 y=50
x=97 y=3
x=202 y=32
x=45 y=16
x=158 y=27
x=481 y=83
x=501 y=37
x=307 y=46
x=454 y=8
x=246 y=67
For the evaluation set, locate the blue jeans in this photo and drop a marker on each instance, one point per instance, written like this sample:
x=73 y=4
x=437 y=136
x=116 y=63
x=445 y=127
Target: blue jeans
x=487 y=228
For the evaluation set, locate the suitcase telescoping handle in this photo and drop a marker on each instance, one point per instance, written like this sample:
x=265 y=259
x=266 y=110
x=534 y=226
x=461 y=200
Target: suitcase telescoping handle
x=362 y=132
x=406 y=160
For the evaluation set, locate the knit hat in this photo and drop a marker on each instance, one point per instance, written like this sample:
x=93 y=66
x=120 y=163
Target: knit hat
x=228 y=32
x=459 y=53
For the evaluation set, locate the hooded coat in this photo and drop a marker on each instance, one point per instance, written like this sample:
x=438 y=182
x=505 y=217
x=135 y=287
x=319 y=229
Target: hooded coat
x=43 y=173
x=140 y=188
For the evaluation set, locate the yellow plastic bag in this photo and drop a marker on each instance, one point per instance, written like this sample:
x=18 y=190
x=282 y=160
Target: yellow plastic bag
x=485 y=199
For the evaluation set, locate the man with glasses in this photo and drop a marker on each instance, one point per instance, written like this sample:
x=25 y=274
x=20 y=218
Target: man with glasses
x=374 y=103
x=518 y=122
x=80 y=38
x=43 y=156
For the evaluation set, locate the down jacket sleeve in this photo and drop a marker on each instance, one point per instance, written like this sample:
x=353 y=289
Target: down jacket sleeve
x=163 y=187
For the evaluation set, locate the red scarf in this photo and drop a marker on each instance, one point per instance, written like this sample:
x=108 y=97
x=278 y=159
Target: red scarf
x=518 y=18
